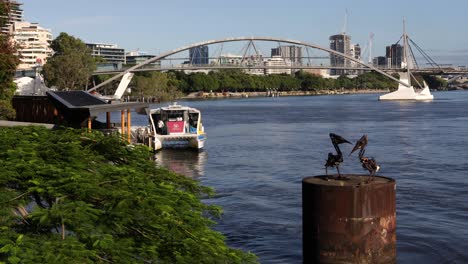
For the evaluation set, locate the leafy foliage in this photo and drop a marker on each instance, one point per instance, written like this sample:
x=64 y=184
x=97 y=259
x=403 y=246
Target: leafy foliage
x=69 y=196
x=157 y=85
x=71 y=65
x=435 y=82
x=8 y=63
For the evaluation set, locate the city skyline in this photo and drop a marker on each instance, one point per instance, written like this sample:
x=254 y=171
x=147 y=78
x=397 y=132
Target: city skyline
x=157 y=26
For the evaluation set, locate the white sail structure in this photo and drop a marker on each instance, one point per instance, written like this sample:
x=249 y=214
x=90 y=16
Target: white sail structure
x=408 y=92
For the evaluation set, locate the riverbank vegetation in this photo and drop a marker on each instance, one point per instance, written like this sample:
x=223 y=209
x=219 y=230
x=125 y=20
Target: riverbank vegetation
x=163 y=86
x=237 y=80
x=70 y=196
x=176 y=83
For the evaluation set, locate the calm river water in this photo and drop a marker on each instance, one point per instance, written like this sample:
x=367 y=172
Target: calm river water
x=259 y=149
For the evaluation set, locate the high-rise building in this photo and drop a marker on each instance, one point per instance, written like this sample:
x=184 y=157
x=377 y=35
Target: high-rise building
x=380 y=62
x=277 y=61
x=33 y=44
x=199 y=55
x=394 y=55
x=291 y=53
x=15 y=14
x=340 y=43
x=355 y=53
x=111 y=53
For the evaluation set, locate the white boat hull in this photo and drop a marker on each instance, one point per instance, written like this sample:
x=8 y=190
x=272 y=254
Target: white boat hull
x=179 y=141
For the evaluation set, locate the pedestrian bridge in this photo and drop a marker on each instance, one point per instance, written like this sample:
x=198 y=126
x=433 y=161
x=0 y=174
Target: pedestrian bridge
x=358 y=64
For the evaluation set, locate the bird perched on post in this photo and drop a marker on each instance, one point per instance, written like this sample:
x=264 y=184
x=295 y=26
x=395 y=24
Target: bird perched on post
x=368 y=164
x=335 y=160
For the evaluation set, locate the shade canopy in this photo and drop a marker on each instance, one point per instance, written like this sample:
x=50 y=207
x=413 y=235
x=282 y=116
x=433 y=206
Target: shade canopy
x=77 y=107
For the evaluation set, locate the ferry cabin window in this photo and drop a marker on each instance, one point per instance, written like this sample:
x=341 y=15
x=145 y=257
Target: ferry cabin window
x=175 y=116
x=193 y=120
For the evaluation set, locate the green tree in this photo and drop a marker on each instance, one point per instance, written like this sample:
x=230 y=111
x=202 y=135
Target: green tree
x=68 y=196
x=435 y=82
x=158 y=85
x=71 y=65
x=8 y=63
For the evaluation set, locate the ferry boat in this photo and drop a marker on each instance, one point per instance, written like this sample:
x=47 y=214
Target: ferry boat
x=176 y=126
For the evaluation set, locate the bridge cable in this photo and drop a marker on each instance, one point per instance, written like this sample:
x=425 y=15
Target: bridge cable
x=413 y=58
x=425 y=55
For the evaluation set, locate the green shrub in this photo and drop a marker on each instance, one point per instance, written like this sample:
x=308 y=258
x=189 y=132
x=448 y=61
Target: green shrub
x=68 y=196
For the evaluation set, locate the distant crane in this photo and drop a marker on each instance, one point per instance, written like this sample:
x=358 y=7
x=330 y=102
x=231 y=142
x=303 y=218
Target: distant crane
x=345 y=24
x=368 y=48
x=334 y=160
x=371 y=43
x=369 y=164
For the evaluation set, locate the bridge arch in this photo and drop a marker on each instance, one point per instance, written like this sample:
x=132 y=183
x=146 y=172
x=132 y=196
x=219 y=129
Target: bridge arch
x=271 y=39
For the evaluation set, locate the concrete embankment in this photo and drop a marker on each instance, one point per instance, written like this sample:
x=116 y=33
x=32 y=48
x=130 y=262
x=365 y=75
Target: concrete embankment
x=5 y=123
x=200 y=95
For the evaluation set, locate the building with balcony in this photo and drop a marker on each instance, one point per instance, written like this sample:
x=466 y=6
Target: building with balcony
x=111 y=53
x=277 y=61
x=15 y=14
x=255 y=60
x=137 y=57
x=229 y=59
x=33 y=44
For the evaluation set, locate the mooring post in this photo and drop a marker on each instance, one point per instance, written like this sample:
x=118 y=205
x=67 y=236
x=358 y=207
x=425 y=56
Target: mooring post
x=122 y=123
x=108 y=118
x=90 y=122
x=351 y=220
x=129 y=132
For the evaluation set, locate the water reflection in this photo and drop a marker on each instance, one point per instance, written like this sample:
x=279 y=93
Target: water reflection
x=188 y=162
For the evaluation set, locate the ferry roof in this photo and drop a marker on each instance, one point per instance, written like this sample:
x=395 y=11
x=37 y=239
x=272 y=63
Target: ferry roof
x=85 y=101
x=175 y=107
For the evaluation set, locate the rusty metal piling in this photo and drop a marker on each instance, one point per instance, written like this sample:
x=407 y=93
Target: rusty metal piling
x=349 y=220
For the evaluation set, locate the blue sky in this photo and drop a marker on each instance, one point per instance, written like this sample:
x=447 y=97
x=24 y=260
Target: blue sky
x=155 y=26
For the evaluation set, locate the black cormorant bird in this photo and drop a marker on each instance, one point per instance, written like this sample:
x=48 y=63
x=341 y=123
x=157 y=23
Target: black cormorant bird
x=368 y=164
x=335 y=160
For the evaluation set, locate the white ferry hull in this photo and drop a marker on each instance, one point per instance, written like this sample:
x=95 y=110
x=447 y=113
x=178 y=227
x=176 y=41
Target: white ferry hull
x=179 y=141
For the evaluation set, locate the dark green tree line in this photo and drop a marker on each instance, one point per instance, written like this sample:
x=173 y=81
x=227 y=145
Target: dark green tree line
x=237 y=80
